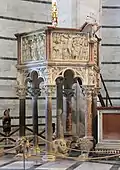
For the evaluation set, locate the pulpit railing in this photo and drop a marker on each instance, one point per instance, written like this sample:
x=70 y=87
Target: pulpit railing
x=107 y=97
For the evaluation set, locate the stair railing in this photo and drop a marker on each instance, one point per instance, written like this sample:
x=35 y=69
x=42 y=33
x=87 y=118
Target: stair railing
x=107 y=94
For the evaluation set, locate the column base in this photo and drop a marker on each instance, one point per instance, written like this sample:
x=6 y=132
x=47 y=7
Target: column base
x=68 y=135
x=48 y=158
x=88 y=137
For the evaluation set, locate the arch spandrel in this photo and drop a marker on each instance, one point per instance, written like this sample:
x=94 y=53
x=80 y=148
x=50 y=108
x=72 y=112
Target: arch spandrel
x=58 y=71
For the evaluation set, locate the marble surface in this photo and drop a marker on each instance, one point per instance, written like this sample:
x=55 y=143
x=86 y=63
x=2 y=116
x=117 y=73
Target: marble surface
x=57 y=165
x=93 y=166
x=19 y=165
x=60 y=165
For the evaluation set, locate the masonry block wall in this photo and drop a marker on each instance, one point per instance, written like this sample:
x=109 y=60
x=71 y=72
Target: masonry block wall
x=110 y=48
x=17 y=16
x=73 y=13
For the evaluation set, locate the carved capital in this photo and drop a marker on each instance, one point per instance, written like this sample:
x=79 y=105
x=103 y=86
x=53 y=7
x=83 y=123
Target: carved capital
x=88 y=91
x=96 y=91
x=49 y=90
x=21 y=92
x=68 y=93
x=34 y=92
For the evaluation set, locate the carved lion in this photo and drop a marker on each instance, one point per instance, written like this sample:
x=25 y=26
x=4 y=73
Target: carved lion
x=59 y=146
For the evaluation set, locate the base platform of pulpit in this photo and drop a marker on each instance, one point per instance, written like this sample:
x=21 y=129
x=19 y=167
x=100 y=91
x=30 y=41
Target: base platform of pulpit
x=108 y=148
x=108 y=131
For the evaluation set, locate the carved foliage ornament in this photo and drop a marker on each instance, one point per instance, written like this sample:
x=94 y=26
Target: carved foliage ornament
x=33 y=47
x=95 y=52
x=91 y=76
x=70 y=46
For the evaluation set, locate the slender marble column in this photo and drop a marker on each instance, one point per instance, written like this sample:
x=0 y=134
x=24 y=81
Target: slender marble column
x=94 y=104
x=77 y=112
x=48 y=119
x=22 y=110
x=94 y=118
x=48 y=156
x=59 y=122
x=89 y=114
x=35 y=115
x=22 y=116
x=68 y=94
x=35 y=93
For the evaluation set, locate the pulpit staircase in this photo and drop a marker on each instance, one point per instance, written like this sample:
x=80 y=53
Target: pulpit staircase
x=108 y=146
x=104 y=101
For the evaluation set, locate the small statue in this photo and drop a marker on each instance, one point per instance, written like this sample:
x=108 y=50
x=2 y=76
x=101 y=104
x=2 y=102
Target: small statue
x=54 y=14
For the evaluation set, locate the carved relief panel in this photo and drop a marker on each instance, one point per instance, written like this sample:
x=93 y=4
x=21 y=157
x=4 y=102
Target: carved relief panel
x=70 y=46
x=33 y=47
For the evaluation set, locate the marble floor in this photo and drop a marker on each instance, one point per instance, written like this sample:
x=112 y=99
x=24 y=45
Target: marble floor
x=12 y=164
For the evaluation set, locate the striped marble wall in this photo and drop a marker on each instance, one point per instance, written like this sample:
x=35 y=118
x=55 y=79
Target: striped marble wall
x=18 y=16
x=110 y=48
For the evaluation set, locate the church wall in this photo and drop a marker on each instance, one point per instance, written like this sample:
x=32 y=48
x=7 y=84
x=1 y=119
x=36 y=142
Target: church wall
x=86 y=8
x=16 y=17
x=108 y=53
x=110 y=2
x=110 y=50
x=73 y=13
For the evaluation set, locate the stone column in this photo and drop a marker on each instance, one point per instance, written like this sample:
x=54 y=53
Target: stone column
x=59 y=110
x=35 y=115
x=35 y=93
x=94 y=115
x=77 y=112
x=94 y=103
x=68 y=94
x=22 y=94
x=48 y=127
x=89 y=114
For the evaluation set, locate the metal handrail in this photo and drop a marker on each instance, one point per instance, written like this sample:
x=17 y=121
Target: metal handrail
x=107 y=94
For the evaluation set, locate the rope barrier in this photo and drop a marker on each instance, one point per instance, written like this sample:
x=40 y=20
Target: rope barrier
x=95 y=158
x=70 y=149
x=77 y=150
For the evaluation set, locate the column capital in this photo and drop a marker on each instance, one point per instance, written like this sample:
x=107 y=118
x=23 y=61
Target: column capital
x=49 y=90
x=96 y=91
x=88 y=90
x=34 y=92
x=68 y=93
x=21 y=92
